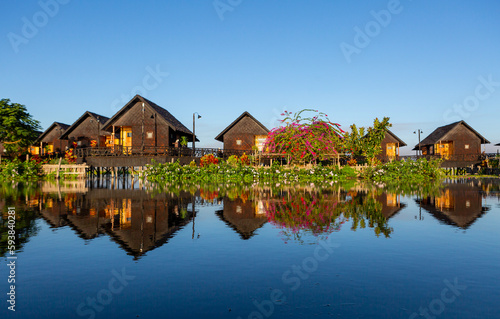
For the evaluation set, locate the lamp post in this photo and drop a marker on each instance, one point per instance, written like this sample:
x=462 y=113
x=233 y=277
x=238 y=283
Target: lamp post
x=418 y=132
x=194 y=136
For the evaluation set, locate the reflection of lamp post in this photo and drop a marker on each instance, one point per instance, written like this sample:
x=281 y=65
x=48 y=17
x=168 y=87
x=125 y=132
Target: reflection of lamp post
x=194 y=136
x=418 y=131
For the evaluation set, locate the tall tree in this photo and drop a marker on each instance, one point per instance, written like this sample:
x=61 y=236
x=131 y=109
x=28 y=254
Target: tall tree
x=18 y=129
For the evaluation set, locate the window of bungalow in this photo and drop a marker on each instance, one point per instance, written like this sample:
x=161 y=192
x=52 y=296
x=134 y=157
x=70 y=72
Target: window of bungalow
x=149 y=134
x=467 y=146
x=238 y=142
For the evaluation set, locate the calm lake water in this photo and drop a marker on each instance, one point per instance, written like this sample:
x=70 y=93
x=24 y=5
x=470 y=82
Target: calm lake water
x=119 y=250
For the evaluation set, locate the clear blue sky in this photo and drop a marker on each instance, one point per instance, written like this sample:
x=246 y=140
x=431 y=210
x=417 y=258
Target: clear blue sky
x=421 y=59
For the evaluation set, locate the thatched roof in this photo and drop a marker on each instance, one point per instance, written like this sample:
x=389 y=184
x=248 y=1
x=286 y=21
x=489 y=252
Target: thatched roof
x=441 y=133
x=165 y=115
x=220 y=137
x=102 y=119
x=400 y=141
x=54 y=125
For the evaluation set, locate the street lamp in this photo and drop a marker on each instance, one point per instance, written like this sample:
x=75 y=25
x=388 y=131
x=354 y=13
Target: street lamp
x=418 y=132
x=194 y=136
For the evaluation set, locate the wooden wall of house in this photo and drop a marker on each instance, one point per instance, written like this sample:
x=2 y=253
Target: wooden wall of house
x=52 y=137
x=388 y=139
x=245 y=131
x=165 y=136
x=86 y=132
x=462 y=136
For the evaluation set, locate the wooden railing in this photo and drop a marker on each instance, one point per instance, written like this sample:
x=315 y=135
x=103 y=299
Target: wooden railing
x=157 y=151
x=451 y=158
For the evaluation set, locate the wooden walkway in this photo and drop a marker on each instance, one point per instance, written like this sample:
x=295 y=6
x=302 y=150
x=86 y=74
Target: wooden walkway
x=72 y=170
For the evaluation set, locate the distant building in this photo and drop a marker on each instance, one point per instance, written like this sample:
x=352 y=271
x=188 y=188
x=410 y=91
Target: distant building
x=86 y=129
x=142 y=123
x=244 y=133
x=455 y=142
x=390 y=147
x=50 y=140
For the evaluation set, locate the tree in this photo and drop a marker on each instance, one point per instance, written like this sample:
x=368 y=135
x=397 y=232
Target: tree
x=369 y=145
x=305 y=139
x=18 y=129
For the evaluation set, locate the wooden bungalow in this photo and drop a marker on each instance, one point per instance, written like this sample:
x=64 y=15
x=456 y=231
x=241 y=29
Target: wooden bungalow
x=141 y=124
x=243 y=134
x=88 y=128
x=50 y=140
x=390 y=147
x=455 y=142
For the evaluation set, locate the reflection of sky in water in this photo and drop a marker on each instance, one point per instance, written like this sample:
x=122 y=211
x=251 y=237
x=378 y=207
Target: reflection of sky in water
x=231 y=252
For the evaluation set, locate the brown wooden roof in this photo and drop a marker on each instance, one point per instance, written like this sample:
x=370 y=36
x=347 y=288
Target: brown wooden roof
x=174 y=123
x=440 y=134
x=63 y=126
x=400 y=141
x=220 y=137
x=95 y=116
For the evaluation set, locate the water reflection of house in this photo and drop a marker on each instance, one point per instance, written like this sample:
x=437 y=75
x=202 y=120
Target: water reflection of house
x=245 y=217
x=391 y=204
x=458 y=205
x=52 y=211
x=138 y=222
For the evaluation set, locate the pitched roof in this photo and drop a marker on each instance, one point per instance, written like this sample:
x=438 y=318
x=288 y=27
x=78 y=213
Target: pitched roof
x=63 y=126
x=221 y=134
x=95 y=116
x=440 y=134
x=167 y=117
x=400 y=141
x=497 y=144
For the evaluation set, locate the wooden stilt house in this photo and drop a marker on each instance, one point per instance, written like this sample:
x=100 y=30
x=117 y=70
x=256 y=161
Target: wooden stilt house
x=50 y=140
x=142 y=124
x=243 y=134
x=88 y=131
x=390 y=147
x=456 y=142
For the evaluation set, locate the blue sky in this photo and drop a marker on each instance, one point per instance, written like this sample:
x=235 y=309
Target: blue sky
x=417 y=62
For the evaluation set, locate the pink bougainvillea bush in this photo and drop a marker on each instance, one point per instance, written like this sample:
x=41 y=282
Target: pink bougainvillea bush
x=305 y=139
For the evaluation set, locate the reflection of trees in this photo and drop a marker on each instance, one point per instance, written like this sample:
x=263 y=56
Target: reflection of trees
x=322 y=213
x=12 y=195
